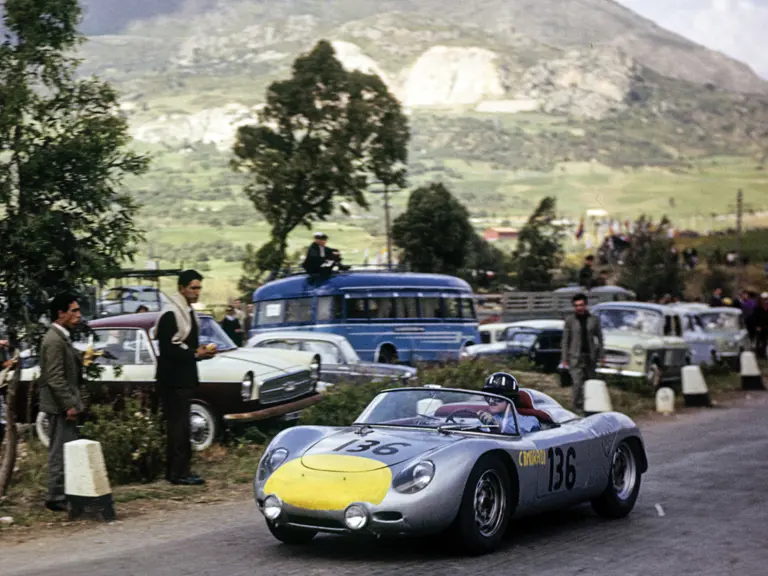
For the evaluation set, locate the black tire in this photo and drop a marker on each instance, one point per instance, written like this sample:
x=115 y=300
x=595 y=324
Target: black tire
x=291 y=536
x=388 y=355
x=489 y=473
x=619 y=498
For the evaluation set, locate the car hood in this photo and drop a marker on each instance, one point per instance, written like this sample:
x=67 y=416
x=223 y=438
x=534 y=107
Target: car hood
x=348 y=451
x=285 y=360
x=385 y=369
x=487 y=348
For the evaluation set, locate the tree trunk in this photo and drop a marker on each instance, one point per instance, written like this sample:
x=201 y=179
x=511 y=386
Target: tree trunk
x=11 y=440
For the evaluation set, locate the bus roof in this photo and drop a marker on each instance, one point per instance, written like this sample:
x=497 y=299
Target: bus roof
x=301 y=285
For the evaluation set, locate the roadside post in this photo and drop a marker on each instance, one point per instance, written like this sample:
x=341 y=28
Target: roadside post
x=751 y=378
x=85 y=480
x=665 y=400
x=695 y=391
x=596 y=397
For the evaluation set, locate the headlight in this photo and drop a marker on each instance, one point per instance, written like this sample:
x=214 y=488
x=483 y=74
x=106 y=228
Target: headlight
x=415 y=478
x=271 y=462
x=272 y=507
x=638 y=350
x=246 y=387
x=355 y=517
x=314 y=369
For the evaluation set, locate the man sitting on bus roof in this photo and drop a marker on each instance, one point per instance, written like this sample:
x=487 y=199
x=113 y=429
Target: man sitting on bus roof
x=322 y=259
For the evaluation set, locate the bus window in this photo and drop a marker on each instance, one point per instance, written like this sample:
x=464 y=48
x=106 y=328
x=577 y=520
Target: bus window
x=298 y=310
x=330 y=308
x=430 y=308
x=405 y=307
x=452 y=307
x=270 y=312
x=356 y=309
x=381 y=308
x=468 y=308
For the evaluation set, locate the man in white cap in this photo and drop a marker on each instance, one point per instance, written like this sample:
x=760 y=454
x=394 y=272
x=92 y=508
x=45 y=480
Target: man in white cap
x=321 y=259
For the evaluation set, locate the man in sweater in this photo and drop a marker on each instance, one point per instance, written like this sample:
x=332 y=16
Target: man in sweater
x=178 y=336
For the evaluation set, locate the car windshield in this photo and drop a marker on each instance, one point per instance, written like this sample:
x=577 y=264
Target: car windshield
x=212 y=333
x=522 y=339
x=434 y=408
x=628 y=319
x=721 y=321
x=117 y=294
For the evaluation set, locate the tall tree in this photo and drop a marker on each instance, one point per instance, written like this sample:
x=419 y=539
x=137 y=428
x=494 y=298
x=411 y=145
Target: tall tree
x=434 y=232
x=539 y=248
x=650 y=269
x=324 y=134
x=64 y=220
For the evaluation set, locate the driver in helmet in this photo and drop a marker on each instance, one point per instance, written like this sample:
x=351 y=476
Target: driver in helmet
x=506 y=385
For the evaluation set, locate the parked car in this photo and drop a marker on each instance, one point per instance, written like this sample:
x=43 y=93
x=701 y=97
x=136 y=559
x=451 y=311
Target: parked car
x=339 y=360
x=537 y=340
x=238 y=386
x=715 y=335
x=127 y=299
x=642 y=341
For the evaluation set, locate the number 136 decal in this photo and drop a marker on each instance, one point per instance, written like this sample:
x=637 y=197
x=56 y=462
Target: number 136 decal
x=556 y=472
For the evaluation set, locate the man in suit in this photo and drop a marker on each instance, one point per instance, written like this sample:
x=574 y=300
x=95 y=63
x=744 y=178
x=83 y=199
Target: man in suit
x=231 y=325
x=60 y=377
x=582 y=347
x=321 y=259
x=585 y=274
x=178 y=336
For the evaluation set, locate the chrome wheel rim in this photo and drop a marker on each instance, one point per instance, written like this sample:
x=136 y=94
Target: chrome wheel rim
x=490 y=503
x=624 y=472
x=200 y=428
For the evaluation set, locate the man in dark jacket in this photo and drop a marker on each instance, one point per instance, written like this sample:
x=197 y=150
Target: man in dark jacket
x=761 y=326
x=61 y=372
x=178 y=336
x=231 y=325
x=322 y=259
x=582 y=347
x=585 y=274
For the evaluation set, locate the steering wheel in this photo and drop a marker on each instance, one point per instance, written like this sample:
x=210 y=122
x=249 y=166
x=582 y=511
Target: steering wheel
x=465 y=412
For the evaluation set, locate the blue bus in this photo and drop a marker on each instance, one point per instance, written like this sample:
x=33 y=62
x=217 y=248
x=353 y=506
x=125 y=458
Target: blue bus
x=387 y=317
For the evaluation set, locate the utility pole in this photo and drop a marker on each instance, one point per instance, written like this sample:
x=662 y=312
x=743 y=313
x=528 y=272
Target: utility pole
x=389 y=233
x=739 y=210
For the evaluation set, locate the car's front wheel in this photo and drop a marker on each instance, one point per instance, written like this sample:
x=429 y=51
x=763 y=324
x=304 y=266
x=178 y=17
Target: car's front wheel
x=620 y=496
x=484 y=510
x=291 y=536
x=204 y=426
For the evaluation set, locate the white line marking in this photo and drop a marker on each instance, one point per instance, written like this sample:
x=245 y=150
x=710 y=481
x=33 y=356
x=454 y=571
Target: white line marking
x=660 y=510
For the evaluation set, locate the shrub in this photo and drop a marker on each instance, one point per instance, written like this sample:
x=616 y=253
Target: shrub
x=131 y=438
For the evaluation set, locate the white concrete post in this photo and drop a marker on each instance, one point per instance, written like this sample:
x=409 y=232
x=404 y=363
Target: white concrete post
x=596 y=397
x=85 y=479
x=695 y=391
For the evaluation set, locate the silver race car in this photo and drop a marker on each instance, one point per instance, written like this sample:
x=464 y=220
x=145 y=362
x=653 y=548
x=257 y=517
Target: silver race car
x=424 y=460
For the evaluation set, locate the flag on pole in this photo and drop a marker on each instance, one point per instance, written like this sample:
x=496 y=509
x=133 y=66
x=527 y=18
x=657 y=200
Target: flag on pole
x=580 y=230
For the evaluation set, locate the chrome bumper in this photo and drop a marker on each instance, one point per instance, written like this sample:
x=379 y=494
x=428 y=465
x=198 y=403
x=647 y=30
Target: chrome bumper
x=273 y=411
x=619 y=372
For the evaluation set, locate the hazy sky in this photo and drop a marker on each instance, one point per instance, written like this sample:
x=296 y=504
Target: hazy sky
x=738 y=28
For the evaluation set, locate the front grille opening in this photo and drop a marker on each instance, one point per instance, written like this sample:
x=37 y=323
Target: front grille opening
x=388 y=516
x=318 y=522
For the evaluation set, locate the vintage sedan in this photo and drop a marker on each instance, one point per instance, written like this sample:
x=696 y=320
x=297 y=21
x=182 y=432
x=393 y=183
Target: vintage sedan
x=430 y=460
x=238 y=386
x=642 y=341
x=537 y=340
x=339 y=360
x=715 y=335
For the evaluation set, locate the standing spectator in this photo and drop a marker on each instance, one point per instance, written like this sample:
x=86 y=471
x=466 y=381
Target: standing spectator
x=178 y=335
x=231 y=325
x=581 y=348
x=585 y=274
x=602 y=279
x=239 y=312
x=717 y=298
x=761 y=326
x=748 y=309
x=248 y=322
x=60 y=377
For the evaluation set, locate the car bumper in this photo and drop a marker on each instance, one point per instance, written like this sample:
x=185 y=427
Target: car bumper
x=620 y=372
x=273 y=411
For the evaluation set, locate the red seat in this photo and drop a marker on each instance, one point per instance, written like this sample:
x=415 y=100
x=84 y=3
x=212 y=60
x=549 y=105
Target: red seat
x=525 y=408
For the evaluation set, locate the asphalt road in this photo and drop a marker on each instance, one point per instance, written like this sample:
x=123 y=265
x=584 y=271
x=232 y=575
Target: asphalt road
x=702 y=511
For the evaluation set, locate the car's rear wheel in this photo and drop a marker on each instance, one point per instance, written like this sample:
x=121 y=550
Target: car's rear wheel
x=204 y=426
x=484 y=510
x=620 y=496
x=291 y=536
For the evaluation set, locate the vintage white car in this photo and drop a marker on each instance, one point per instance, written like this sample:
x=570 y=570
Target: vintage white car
x=238 y=386
x=715 y=335
x=642 y=341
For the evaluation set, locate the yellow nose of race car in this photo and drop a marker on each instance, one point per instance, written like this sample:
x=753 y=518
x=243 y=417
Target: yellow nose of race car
x=329 y=482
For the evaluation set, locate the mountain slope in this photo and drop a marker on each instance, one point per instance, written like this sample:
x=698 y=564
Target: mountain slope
x=562 y=23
